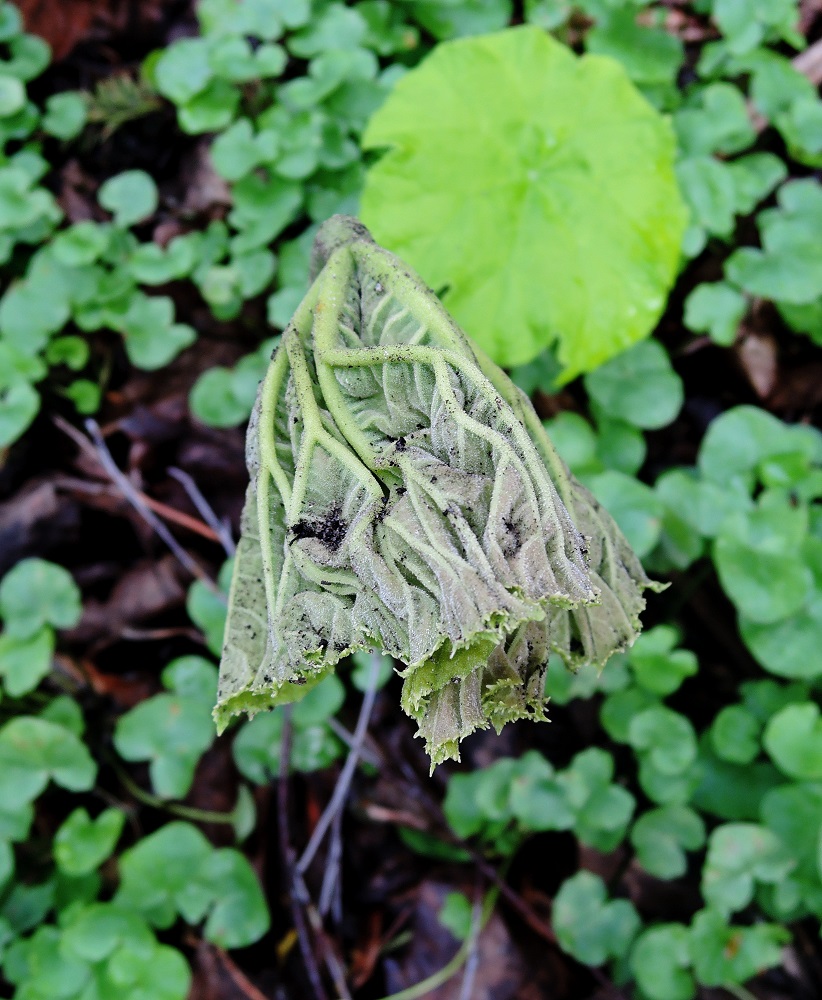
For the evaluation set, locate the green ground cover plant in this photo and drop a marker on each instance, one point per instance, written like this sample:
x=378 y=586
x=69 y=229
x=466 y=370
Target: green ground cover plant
x=624 y=264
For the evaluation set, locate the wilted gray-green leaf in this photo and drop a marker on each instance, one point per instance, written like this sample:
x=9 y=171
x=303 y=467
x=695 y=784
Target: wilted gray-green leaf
x=404 y=494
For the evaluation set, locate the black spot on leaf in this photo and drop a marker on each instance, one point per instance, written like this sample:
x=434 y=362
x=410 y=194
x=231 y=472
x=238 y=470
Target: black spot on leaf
x=329 y=529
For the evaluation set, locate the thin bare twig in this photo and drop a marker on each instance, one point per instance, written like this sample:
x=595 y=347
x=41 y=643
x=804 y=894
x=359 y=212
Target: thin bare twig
x=432 y=982
x=738 y=990
x=289 y=856
x=332 y=963
x=72 y=484
x=126 y=487
x=366 y=753
x=205 y=510
x=340 y=794
x=809 y=63
x=472 y=962
x=330 y=891
x=98 y=448
x=241 y=981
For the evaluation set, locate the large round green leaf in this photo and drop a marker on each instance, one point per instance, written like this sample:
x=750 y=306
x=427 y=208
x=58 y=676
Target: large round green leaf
x=536 y=186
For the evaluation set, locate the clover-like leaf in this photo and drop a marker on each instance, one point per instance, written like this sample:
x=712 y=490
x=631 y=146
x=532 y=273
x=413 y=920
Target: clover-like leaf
x=658 y=666
x=662 y=836
x=33 y=751
x=130 y=197
x=172 y=730
x=82 y=843
x=19 y=404
x=794 y=813
x=665 y=736
x=789 y=647
x=747 y=23
x=125 y=957
x=661 y=960
x=793 y=739
x=313 y=745
x=239 y=914
x=716 y=309
x=175 y=871
x=536 y=799
x=638 y=386
x=761 y=563
x=25 y=662
x=588 y=925
x=739 y=856
x=601 y=808
x=544 y=144
x=723 y=954
x=735 y=734
x=789 y=265
x=731 y=791
x=404 y=494
x=37 y=593
x=66 y=114
x=742 y=440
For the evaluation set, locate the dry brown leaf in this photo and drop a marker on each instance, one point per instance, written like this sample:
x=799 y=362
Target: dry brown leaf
x=61 y=24
x=66 y=23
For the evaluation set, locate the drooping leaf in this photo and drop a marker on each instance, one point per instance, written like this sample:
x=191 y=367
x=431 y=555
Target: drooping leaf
x=404 y=494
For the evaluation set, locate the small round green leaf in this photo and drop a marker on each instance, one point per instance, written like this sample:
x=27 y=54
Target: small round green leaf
x=723 y=954
x=661 y=837
x=661 y=960
x=716 y=309
x=131 y=197
x=666 y=736
x=19 y=405
x=239 y=915
x=659 y=667
x=25 y=662
x=177 y=871
x=82 y=843
x=760 y=562
x=32 y=751
x=735 y=735
x=793 y=739
x=183 y=70
x=742 y=438
x=638 y=386
x=173 y=730
x=789 y=647
x=66 y=115
x=36 y=593
x=739 y=856
x=80 y=244
x=633 y=505
x=12 y=95
x=588 y=925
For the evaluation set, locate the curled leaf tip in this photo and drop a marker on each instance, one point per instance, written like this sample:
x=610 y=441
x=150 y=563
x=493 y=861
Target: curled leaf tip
x=333 y=234
x=404 y=494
